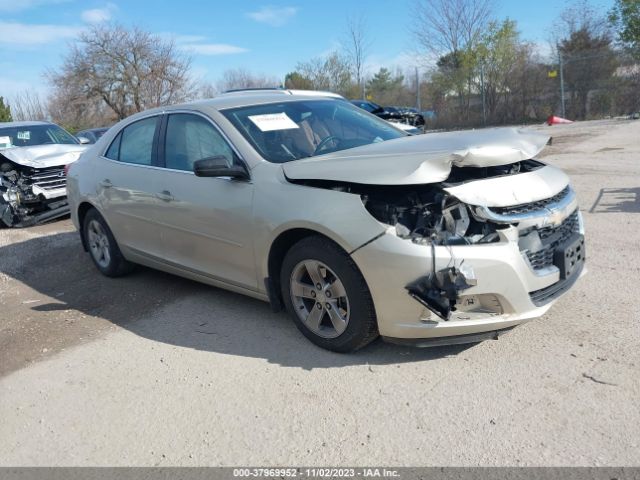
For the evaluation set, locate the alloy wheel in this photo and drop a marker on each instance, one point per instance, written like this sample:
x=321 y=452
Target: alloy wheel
x=319 y=298
x=98 y=243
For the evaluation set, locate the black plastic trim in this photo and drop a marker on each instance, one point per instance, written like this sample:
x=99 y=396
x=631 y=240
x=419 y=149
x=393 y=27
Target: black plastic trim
x=451 y=340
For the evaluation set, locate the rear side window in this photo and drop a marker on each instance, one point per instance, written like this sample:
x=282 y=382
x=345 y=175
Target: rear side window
x=189 y=138
x=114 y=149
x=134 y=144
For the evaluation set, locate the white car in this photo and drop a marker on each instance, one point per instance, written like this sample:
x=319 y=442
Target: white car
x=33 y=157
x=354 y=227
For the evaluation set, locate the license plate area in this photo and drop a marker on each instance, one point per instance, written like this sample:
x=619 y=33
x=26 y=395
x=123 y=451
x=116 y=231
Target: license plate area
x=569 y=256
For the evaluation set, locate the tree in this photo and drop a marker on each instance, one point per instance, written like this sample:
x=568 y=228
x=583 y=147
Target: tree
x=238 y=78
x=331 y=73
x=129 y=70
x=5 y=111
x=297 y=81
x=443 y=26
x=587 y=54
x=498 y=53
x=625 y=17
x=451 y=30
x=357 y=47
x=28 y=105
x=384 y=87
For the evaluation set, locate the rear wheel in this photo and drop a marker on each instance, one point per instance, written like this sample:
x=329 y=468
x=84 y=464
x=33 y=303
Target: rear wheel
x=327 y=296
x=103 y=248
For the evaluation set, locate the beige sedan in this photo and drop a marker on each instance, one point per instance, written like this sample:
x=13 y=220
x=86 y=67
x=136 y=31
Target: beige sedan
x=320 y=208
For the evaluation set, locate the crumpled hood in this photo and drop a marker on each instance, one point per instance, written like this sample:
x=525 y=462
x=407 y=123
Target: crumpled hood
x=420 y=159
x=43 y=156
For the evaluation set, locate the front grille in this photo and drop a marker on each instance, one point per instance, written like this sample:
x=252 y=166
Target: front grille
x=533 y=206
x=49 y=179
x=551 y=238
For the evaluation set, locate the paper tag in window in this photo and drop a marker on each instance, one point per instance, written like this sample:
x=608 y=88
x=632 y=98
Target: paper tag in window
x=26 y=135
x=273 y=121
x=5 y=142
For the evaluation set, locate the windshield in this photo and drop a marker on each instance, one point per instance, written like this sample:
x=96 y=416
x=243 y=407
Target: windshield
x=282 y=132
x=31 y=135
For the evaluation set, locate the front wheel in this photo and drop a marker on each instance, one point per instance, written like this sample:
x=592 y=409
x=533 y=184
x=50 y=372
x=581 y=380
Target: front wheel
x=327 y=296
x=102 y=246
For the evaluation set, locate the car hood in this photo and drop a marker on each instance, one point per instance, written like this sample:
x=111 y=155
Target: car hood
x=420 y=159
x=43 y=156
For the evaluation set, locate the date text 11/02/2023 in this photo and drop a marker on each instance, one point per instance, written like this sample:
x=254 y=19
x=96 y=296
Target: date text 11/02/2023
x=315 y=472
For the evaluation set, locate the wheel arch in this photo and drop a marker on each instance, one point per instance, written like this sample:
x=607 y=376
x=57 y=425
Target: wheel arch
x=279 y=248
x=82 y=211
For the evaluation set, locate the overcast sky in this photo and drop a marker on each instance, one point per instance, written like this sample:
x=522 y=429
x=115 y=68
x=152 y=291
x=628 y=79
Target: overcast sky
x=267 y=38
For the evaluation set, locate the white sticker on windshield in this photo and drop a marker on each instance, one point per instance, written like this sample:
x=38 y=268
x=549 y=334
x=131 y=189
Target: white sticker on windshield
x=5 y=142
x=26 y=135
x=273 y=121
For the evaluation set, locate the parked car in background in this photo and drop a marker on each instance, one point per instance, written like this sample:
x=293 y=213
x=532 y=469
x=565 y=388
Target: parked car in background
x=92 y=134
x=411 y=116
x=377 y=110
x=406 y=115
x=323 y=209
x=33 y=157
x=410 y=129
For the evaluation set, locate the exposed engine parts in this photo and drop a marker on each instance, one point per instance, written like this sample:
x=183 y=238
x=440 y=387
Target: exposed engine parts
x=427 y=215
x=548 y=231
x=29 y=196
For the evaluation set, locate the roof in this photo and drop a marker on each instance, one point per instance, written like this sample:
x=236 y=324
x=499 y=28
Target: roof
x=28 y=123
x=241 y=98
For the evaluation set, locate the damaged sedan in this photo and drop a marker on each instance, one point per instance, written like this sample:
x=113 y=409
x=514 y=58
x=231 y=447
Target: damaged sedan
x=322 y=209
x=33 y=158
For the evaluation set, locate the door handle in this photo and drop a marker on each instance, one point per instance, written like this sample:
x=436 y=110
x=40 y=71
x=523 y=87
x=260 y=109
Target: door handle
x=165 y=196
x=106 y=183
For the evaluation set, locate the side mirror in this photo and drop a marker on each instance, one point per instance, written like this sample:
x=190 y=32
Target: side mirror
x=218 y=166
x=84 y=140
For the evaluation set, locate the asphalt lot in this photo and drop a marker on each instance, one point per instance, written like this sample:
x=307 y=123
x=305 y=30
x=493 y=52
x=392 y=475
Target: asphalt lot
x=157 y=370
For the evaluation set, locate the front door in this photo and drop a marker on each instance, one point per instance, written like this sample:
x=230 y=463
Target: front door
x=206 y=222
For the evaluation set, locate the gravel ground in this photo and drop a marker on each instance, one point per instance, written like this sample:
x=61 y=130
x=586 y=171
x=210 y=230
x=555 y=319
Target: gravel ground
x=157 y=370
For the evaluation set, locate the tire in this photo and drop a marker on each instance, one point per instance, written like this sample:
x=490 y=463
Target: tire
x=102 y=246
x=343 y=323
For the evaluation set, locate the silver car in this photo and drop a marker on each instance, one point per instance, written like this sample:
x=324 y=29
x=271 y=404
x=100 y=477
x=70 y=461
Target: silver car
x=320 y=208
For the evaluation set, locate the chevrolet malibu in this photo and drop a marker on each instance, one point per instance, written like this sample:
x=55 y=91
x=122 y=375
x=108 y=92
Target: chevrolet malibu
x=320 y=208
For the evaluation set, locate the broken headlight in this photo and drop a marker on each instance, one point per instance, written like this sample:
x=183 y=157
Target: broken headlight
x=430 y=217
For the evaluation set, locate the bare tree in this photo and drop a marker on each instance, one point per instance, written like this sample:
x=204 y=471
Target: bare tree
x=449 y=31
x=331 y=73
x=241 y=78
x=205 y=90
x=130 y=70
x=585 y=43
x=357 y=47
x=28 y=105
x=450 y=26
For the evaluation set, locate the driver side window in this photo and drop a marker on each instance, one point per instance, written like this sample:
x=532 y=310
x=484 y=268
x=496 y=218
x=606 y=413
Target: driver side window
x=190 y=138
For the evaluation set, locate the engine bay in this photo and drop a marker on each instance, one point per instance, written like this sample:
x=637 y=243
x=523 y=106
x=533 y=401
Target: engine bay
x=30 y=195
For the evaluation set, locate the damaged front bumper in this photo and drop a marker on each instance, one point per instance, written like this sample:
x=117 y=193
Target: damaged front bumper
x=501 y=288
x=27 y=200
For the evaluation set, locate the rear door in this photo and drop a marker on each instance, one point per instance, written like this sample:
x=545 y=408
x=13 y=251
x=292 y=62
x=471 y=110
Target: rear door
x=207 y=222
x=127 y=187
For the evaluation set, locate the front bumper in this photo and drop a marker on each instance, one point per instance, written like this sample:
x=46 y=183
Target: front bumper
x=389 y=263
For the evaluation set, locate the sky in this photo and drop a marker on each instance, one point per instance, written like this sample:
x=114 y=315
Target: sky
x=266 y=37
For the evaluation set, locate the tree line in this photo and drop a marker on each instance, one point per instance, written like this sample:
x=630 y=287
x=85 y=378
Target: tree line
x=474 y=69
